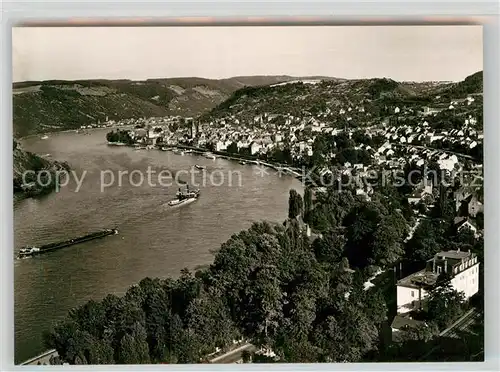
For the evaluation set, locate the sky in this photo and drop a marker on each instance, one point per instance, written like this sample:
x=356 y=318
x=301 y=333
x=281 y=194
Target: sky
x=403 y=53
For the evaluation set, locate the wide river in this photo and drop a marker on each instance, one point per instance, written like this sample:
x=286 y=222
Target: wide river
x=154 y=240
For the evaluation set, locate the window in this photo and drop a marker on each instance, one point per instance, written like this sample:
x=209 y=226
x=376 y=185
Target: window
x=413 y=293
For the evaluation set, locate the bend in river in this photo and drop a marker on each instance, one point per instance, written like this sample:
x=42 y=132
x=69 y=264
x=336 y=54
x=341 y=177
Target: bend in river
x=155 y=240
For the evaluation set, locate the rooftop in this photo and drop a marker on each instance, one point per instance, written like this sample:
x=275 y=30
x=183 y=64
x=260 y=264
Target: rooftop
x=428 y=277
x=420 y=278
x=455 y=255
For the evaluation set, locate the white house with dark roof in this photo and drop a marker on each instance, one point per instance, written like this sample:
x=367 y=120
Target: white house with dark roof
x=463 y=268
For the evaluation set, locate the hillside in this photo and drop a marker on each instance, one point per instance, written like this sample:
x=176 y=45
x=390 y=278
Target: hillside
x=472 y=84
x=46 y=106
x=24 y=161
x=359 y=98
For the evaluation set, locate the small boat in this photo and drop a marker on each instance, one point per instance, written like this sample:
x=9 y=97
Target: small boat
x=116 y=144
x=243 y=162
x=210 y=156
x=140 y=148
x=200 y=166
x=164 y=149
x=45 y=137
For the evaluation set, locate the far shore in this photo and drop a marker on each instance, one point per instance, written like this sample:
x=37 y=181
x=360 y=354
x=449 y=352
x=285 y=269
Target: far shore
x=67 y=131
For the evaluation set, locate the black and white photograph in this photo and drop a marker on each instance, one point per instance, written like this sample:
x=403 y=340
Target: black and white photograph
x=208 y=194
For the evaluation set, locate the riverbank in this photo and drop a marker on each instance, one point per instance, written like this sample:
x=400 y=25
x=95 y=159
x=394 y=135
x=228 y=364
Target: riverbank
x=33 y=175
x=52 y=133
x=281 y=169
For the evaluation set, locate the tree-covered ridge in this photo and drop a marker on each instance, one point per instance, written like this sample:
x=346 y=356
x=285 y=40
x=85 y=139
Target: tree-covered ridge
x=265 y=285
x=52 y=105
x=470 y=85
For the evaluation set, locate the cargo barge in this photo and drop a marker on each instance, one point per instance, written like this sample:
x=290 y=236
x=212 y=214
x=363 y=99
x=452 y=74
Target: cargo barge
x=34 y=251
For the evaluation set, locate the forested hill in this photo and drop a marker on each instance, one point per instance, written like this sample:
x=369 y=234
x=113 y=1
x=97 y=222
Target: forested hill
x=44 y=106
x=271 y=286
x=370 y=97
x=24 y=161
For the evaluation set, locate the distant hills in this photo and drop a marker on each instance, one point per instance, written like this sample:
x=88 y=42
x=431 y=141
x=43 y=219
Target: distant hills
x=361 y=99
x=357 y=101
x=46 y=106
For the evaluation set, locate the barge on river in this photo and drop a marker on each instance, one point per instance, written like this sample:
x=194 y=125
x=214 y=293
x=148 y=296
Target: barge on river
x=34 y=251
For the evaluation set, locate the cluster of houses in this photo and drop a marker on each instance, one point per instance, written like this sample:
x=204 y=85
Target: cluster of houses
x=267 y=131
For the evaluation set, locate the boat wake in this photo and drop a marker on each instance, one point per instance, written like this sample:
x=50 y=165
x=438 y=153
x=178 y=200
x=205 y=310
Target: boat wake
x=178 y=205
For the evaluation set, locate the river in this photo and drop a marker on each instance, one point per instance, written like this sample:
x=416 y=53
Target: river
x=154 y=240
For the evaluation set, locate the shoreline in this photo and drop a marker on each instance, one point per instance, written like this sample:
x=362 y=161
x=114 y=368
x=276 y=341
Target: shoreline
x=29 y=136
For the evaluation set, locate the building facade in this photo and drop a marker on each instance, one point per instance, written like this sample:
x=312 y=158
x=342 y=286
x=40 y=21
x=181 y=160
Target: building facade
x=462 y=267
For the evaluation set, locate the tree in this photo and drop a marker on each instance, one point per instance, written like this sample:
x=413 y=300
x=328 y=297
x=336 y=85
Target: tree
x=346 y=337
x=308 y=203
x=480 y=220
x=246 y=356
x=329 y=247
x=445 y=304
x=362 y=223
x=232 y=148
x=210 y=320
x=424 y=332
x=388 y=239
x=101 y=352
x=424 y=243
x=295 y=205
